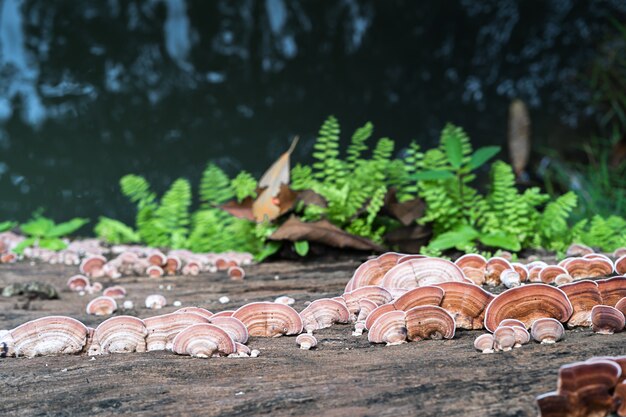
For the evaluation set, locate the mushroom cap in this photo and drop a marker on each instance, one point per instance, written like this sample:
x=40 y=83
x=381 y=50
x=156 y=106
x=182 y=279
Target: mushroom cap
x=612 y=290
x=203 y=341
x=510 y=278
x=522 y=270
x=475 y=275
x=236 y=273
x=102 y=306
x=173 y=264
x=162 y=329
x=472 y=260
x=45 y=336
x=484 y=343
x=120 y=334
x=504 y=338
x=578 y=249
x=583 y=295
x=365 y=308
x=528 y=303
x=589 y=268
x=283 y=299
x=563 y=279
x=521 y=334
x=466 y=303
x=389 y=328
x=607 y=319
x=495 y=267
x=157 y=258
x=547 y=330
x=115 y=291
x=154 y=271
x=78 y=282
x=420 y=272
x=92 y=263
x=408 y=257
x=621 y=305
x=620 y=264
x=155 y=301
x=371 y=272
x=589 y=385
x=224 y=313
x=198 y=310
x=269 y=319
x=323 y=313
x=233 y=326
x=420 y=296
x=306 y=341
x=533 y=273
x=377 y=312
x=429 y=322
x=374 y=293
x=548 y=274
x=242 y=349
x=553 y=404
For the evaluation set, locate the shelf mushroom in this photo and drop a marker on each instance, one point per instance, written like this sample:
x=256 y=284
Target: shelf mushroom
x=607 y=320
x=306 y=341
x=547 y=330
x=268 y=319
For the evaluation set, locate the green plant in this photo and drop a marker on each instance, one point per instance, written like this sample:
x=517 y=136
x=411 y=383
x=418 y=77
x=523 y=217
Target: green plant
x=114 y=231
x=45 y=233
x=7 y=225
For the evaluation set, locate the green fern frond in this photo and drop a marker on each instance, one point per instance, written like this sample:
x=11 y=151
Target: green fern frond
x=301 y=177
x=137 y=189
x=244 y=185
x=173 y=213
x=357 y=145
x=115 y=232
x=215 y=187
x=326 y=152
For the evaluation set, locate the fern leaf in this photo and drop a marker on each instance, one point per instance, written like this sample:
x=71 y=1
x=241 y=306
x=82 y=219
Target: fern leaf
x=215 y=188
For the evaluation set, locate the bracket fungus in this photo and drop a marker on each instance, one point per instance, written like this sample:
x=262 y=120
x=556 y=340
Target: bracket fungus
x=374 y=293
x=204 y=341
x=429 y=322
x=420 y=296
x=522 y=270
x=389 y=328
x=92 y=266
x=548 y=274
x=583 y=295
x=484 y=343
x=224 y=313
x=607 y=320
x=154 y=271
x=266 y=319
x=197 y=310
x=78 y=283
x=233 y=326
x=155 y=301
x=578 y=249
x=236 y=273
x=580 y=268
x=423 y=271
x=162 y=329
x=377 y=312
x=371 y=272
x=504 y=338
x=522 y=336
x=306 y=341
x=172 y=265
x=620 y=265
x=495 y=267
x=115 y=291
x=621 y=305
x=323 y=313
x=157 y=258
x=101 y=306
x=510 y=278
x=466 y=302
x=283 y=299
x=473 y=266
x=52 y=335
x=120 y=334
x=547 y=330
x=612 y=290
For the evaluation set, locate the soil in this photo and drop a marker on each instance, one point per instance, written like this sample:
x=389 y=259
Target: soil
x=344 y=376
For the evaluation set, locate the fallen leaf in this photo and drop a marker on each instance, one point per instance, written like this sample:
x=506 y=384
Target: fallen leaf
x=281 y=204
x=406 y=212
x=242 y=209
x=309 y=197
x=322 y=232
x=409 y=239
x=519 y=136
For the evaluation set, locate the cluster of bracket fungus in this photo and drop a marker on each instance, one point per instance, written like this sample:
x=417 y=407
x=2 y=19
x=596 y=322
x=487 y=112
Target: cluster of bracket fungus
x=594 y=387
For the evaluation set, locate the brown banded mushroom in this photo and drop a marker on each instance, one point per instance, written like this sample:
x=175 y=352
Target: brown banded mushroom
x=203 y=341
x=612 y=290
x=162 y=329
x=374 y=293
x=510 y=278
x=420 y=272
x=504 y=338
x=606 y=320
x=621 y=305
x=92 y=266
x=377 y=312
x=589 y=268
x=429 y=322
x=389 y=328
x=533 y=273
x=154 y=271
x=405 y=258
x=563 y=279
x=466 y=302
x=527 y=304
x=52 y=335
x=197 y=310
x=473 y=266
x=120 y=334
x=269 y=319
x=306 y=341
x=323 y=313
x=224 y=313
x=522 y=336
x=115 y=291
x=243 y=351
x=578 y=249
x=583 y=295
x=366 y=306
x=495 y=267
x=173 y=264
x=619 y=252
x=548 y=274
x=620 y=265
x=155 y=301
x=547 y=330
x=192 y=267
x=101 y=306
x=234 y=327
x=371 y=272
x=236 y=273
x=484 y=343
x=522 y=270
x=420 y=296
x=78 y=283
x=157 y=258
x=553 y=404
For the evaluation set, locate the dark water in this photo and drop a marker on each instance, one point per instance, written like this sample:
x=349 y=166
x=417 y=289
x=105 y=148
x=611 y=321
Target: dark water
x=90 y=91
